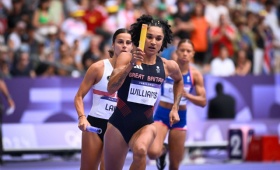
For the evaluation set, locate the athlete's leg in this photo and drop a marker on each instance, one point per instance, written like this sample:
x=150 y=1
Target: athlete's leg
x=139 y=144
x=102 y=163
x=91 y=151
x=115 y=149
x=157 y=148
x=176 y=148
x=1 y=135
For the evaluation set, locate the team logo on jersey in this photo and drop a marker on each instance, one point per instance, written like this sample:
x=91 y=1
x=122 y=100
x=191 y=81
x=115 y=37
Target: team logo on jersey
x=138 y=67
x=158 y=69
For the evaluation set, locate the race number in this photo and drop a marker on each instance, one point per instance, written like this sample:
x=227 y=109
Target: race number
x=235 y=144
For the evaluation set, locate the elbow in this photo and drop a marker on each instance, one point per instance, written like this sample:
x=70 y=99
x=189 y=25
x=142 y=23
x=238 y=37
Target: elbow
x=203 y=103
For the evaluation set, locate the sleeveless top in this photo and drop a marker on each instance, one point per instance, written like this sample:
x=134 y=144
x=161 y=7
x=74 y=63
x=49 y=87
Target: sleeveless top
x=167 y=89
x=43 y=19
x=137 y=97
x=141 y=87
x=103 y=103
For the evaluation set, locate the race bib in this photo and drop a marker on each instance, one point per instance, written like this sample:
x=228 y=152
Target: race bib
x=168 y=90
x=107 y=104
x=143 y=92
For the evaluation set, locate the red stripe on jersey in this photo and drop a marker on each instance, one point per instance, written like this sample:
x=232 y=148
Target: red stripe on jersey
x=124 y=109
x=103 y=93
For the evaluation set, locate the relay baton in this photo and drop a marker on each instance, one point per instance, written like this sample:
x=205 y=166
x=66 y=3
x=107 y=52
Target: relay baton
x=94 y=129
x=143 y=35
x=10 y=110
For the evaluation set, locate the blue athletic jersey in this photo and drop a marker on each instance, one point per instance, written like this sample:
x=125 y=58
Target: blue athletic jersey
x=167 y=94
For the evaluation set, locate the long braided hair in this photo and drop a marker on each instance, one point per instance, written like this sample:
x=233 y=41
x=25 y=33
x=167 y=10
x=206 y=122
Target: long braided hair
x=135 y=29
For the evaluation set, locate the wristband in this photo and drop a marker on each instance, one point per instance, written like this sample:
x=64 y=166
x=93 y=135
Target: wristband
x=81 y=116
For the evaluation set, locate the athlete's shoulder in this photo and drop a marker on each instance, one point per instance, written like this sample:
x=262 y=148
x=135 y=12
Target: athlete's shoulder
x=196 y=74
x=169 y=63
x=97 y=65
x=195 y=71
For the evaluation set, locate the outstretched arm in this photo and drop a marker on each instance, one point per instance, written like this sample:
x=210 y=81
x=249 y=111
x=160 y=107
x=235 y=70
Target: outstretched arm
x=200 y=98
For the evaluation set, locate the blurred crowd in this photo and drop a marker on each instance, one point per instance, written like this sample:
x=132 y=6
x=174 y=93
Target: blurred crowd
x=64 y=37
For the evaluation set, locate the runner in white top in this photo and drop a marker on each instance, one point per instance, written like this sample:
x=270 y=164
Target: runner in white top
x=103 y=104
x=97 y=77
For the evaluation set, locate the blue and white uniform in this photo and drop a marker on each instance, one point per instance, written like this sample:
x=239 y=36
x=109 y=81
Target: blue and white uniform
x=103 y=103
x=167 y=95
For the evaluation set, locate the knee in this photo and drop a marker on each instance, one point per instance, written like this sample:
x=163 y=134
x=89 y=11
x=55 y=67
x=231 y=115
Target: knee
x=139 y=152
x=154 y=153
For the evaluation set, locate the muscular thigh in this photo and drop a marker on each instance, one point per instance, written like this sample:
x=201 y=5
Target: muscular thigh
x=176 y=142
x=161 y=133
x=143 y=137
x=91 y=150
x=115 y=148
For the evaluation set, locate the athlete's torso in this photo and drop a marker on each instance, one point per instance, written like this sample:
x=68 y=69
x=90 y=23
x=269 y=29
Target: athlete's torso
x=142 y=86
x=103 y=104
x=136 y=98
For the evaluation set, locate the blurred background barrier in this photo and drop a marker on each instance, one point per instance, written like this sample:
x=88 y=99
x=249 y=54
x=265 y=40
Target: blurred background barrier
x=45 y=119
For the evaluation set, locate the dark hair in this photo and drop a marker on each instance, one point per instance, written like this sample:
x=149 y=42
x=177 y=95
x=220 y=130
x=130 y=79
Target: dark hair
x=41 y=2
x=135 y=29
x=219 y=88
x=185 y=41
x=119 y=31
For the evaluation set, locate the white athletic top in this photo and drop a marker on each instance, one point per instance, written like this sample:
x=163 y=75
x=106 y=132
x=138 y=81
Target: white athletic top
x=103 y=103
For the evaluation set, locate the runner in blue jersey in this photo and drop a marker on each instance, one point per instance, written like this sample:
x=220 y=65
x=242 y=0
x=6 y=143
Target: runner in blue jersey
x=131 y=124
x=96 y=80
x=177 y=133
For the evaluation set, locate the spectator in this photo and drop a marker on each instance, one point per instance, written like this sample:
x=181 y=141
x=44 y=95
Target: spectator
x=245 y=38
x=53 y=42
x=243 y=64
x=224 y=34
x=5 y=62
x=95 y=16
x=22 y=66
x=181 y=18
x=94 y=53
x=258 y=29
x=274 y=16
x=126 y=16
x=56 y=13
x=17 y=13
x=222 y=65
x=213 y=11
x=199 y=34
x=15 y=38
x=66 y=63
x=111 y=23
x=222 y=106
x=41 y=20
x=75 y=28
x=45 y=69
